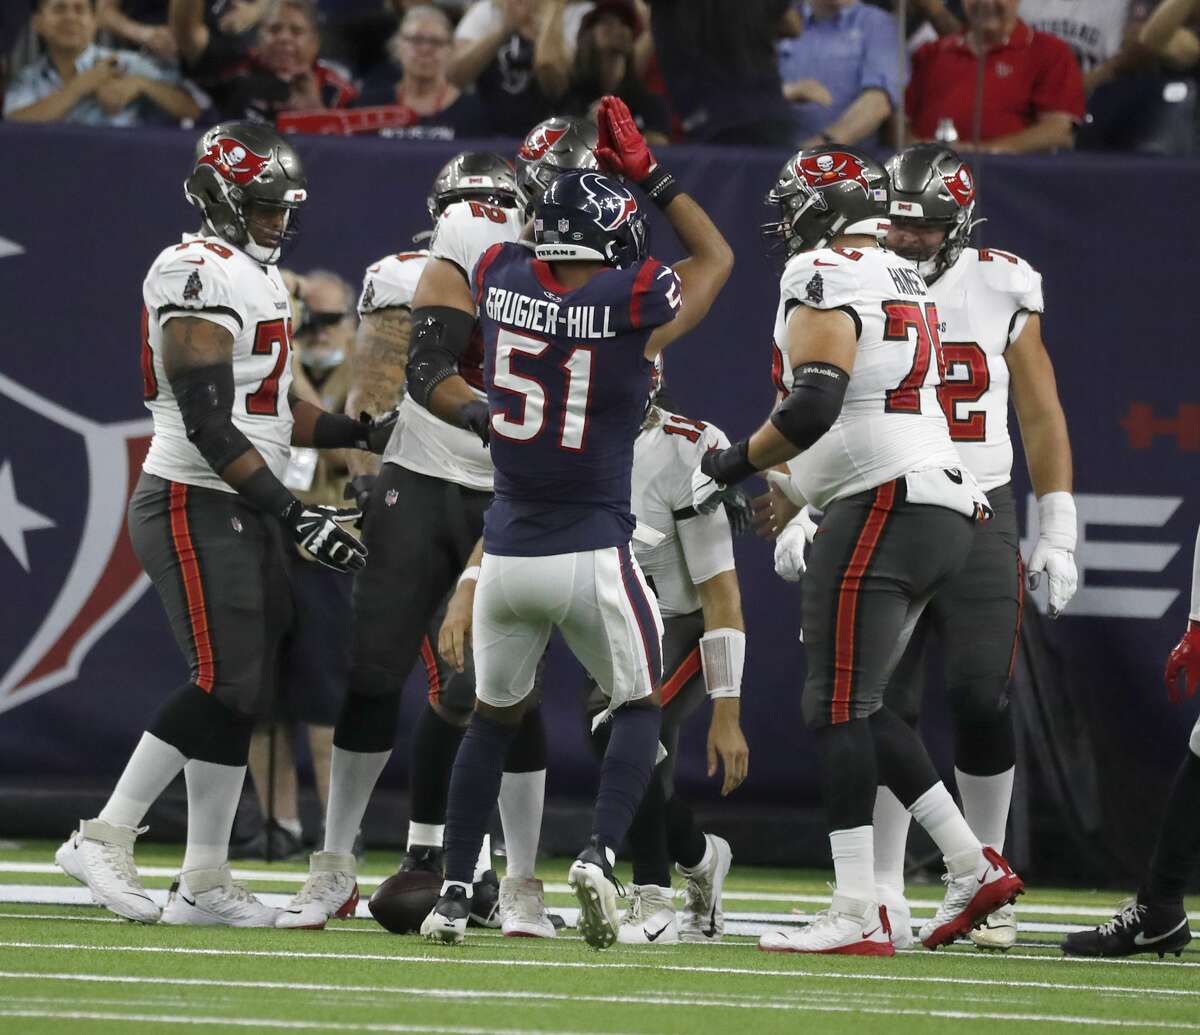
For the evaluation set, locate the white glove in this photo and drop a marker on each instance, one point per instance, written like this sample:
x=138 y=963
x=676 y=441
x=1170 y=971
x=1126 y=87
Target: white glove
x=1054 y=552
x=790 y=545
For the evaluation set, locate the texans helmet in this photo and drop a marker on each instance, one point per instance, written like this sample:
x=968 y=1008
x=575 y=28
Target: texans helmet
x=553 y=146
x=243 y=164
x=932 y=186
x=587 y=216
x=476 y=176
x=824 y=192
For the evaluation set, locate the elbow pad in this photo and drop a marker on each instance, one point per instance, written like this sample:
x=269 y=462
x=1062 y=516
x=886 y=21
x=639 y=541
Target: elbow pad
x=205 y=398
x=814 y=403
x=440 y=337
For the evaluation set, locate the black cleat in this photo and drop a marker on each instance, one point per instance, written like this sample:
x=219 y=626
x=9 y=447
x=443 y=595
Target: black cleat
x=423 y=858
x=591 y=878
x=1160 y=927
x=485 y=901
x=447 y=921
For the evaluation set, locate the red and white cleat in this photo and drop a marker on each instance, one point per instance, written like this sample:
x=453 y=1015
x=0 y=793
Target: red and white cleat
x=330 y=893
x=980 y=887
x=849 y=927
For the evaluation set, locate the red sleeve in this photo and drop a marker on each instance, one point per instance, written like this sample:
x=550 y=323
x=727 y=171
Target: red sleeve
x=1058 y=82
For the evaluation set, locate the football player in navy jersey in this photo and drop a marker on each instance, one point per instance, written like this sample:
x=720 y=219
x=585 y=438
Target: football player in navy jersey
x=569 y=334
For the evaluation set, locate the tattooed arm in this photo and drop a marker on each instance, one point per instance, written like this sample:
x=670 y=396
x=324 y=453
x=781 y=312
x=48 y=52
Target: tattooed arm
x=377 y=380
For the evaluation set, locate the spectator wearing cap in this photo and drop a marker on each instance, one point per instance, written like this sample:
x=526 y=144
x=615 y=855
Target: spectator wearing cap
x=1032 y=88
x=719 y=63
x=78 y=81
x=284 y=73
x=494 y=48
x=605 y=63
x=843 y=72
x=429 y=105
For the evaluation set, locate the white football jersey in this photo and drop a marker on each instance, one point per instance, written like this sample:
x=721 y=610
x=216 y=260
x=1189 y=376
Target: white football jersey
x=1091 y=28
x=206 y=278
x=980 y=302
x=693 y=549
x=891 y=423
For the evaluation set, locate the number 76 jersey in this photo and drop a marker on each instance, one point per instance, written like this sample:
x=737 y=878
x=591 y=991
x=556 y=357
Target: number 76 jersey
x=205 y=278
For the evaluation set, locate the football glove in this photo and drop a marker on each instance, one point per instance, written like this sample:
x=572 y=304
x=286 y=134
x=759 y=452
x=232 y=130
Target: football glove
x=475 y=416
x=359 y=489
x=374 y=432
x=318 y=531
x=1054 y=553
x=1183 y=665
x=738 y=509
x=791 y=544
x=620 y=146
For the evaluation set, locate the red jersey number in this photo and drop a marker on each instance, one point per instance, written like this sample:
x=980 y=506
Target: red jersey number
x=967 y=379
x=689 y=429
x=269 y=336
x=903 y=318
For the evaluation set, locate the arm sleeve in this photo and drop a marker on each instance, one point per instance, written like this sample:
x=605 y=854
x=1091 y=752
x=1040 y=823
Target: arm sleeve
x=1058 y=86
x=822 y=279
x=656 y=297
x=181 y=286
x=881 y=69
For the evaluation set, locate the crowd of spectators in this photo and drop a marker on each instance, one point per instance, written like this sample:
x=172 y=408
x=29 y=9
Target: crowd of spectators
x=990 y=75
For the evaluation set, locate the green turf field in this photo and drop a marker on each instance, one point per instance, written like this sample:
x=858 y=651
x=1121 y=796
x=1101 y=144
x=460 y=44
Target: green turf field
x=76 y=968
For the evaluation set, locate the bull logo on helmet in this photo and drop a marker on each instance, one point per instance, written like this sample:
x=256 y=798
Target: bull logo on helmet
x=824 y=170
x=613 y=204
x=961 y=185
x=540 y=141
x=234 y=161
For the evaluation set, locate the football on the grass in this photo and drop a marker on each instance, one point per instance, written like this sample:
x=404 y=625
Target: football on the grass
x=402 y=901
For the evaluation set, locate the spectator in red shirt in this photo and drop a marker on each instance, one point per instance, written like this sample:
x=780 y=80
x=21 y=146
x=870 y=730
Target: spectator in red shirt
x=1032 y=86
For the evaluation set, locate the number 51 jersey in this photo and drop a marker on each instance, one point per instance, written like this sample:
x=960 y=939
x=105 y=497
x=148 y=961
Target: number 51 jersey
x=891 y=423
x=567 y=383
x=205 y=278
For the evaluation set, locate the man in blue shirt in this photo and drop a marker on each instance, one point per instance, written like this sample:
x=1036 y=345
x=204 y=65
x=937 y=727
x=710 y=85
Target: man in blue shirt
x=77 y=81
x=843 y=73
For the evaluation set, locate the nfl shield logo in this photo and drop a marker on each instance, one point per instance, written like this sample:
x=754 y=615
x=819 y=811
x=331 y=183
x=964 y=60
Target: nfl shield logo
x=390 y=497
x=564 y=225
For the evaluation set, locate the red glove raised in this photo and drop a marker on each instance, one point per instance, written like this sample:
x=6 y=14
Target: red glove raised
x=620 y=147
x=1183 y=664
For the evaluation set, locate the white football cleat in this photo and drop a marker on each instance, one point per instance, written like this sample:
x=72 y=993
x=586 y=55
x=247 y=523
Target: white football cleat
x=100 y=855
x=590 y=877
x=703 y=917
x=523 y=909
x=999 y=930
x=650 y=918
x=447 y=920
x=976 y=885
x=330 y=893
x=212 y=898
x=898 y=913
x=849 y=927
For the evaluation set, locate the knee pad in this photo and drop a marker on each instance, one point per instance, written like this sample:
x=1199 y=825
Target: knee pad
x=983 y=729
x=201 y=727
x=980 y=702
x=367 y=723
x=527 y=753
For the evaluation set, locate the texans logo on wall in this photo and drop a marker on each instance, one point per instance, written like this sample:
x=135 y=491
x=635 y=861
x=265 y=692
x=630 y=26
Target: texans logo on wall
x=65 y=555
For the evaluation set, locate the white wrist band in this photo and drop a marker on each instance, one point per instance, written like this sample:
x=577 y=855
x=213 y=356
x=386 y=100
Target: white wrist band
x=1057 y=523
x=723 y=656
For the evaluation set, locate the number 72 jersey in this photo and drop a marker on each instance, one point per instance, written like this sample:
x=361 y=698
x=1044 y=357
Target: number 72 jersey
x=205 y=278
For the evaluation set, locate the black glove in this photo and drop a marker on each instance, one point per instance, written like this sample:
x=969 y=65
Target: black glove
x=738 y=510
x=475 y=416
x=318 y=530
x=359 y=489
x=374 y=432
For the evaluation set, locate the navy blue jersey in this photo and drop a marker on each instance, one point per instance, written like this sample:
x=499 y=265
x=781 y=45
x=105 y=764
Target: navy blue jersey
x=567 y=381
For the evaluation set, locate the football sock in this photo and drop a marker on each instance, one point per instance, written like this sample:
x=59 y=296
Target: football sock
x=854 y=862
x=625 y=771
x=686 y=843
x=435 y=743
x=352 y=778
x=427 y=835
x=474 y=788
x=648 y=837
x=904 y=764
x=1178 y=848
x=846 y=753
x=936 y=812
x=891 y=839
x=484 y=862
x=985 y=801
x=213 y=793
x=152 y=766
x=522 y=796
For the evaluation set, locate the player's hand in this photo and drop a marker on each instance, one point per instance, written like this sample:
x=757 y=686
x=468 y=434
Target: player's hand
x=620 y=146
x=374 y=432
x=726 y=742
x=454 y=638
x=706 y=490
x=1183 y=665
x=319 y=531
x=475 y=416
x=359 y=489
x=738 y=509
x=772 y=511
x=1062 y=578
x=791 y=544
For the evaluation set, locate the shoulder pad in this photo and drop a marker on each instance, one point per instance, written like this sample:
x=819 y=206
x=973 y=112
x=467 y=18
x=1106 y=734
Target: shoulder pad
x=466 y=229
x=199 y=275
x=823 y=279
x=1011 y=275
x=657 y=295
x=392 y=281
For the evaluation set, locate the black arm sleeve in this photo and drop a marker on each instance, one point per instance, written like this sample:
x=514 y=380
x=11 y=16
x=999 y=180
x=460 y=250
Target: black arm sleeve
x=439 y=339
x=818 y=390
